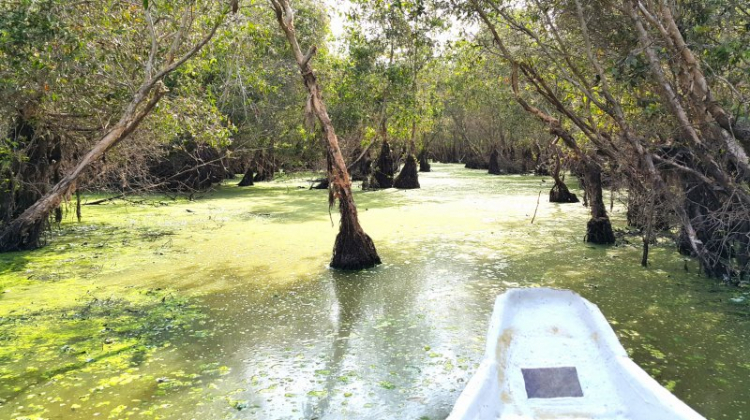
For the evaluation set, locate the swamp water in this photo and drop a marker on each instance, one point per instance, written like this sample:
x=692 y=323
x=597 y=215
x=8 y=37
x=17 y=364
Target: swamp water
x=224 y=308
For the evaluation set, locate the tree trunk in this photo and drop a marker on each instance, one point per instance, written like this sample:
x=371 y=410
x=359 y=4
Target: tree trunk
x=494 y=168
x=247 y=179
x=598 y=228
x=79 y=214
x=701 y=92
x=424 y=164
x=353 y=249
x=648 y=231
x=360 y=166
x=541 y=166
x=264 y=166
x=384 y=170
x=408 y=178
x=560 y=192
x=527 y=160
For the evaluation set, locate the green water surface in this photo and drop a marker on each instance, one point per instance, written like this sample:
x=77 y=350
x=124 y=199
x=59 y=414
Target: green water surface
x=224 y=308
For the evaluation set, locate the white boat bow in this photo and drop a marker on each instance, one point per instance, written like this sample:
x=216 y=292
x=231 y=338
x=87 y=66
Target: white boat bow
x=552 y=355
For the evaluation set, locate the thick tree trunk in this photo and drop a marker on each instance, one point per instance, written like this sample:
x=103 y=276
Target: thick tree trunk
x=424 y=164
x=598 y=228
x=353 y=249
x=360 y=166
x=384 y=170
x=247 y=179
x=561 y=194
x=494 y=168
x=408 y=178
x=264 y=166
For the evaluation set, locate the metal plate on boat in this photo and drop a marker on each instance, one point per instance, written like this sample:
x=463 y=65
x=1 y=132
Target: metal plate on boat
x=558 y=382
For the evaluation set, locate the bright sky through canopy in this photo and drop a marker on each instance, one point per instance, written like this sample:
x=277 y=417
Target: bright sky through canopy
x=337 y=10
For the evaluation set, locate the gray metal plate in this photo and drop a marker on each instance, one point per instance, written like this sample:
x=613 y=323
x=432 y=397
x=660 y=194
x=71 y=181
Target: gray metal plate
x=556 y=382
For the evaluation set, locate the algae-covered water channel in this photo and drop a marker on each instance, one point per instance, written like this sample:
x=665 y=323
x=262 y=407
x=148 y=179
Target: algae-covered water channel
x=224 y=307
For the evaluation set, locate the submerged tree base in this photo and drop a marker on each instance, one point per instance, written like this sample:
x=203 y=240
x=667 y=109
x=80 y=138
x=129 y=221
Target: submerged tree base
x=383 y=175
x=247 y=180
x=494 y=168
x=408 y=178
x=424 y=164
x=599 y=231
x=320 y=184
x=561 y=194
x=354 y=251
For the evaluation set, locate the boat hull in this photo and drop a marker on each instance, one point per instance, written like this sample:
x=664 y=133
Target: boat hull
x=552 y=355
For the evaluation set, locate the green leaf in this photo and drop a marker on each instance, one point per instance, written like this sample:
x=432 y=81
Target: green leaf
x=145 y=4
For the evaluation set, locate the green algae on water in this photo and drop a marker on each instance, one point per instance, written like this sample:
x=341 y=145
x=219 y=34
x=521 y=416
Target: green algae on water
x=224 y=307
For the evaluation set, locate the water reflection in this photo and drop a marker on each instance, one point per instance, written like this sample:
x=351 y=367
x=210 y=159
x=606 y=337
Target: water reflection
x=398 y=340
